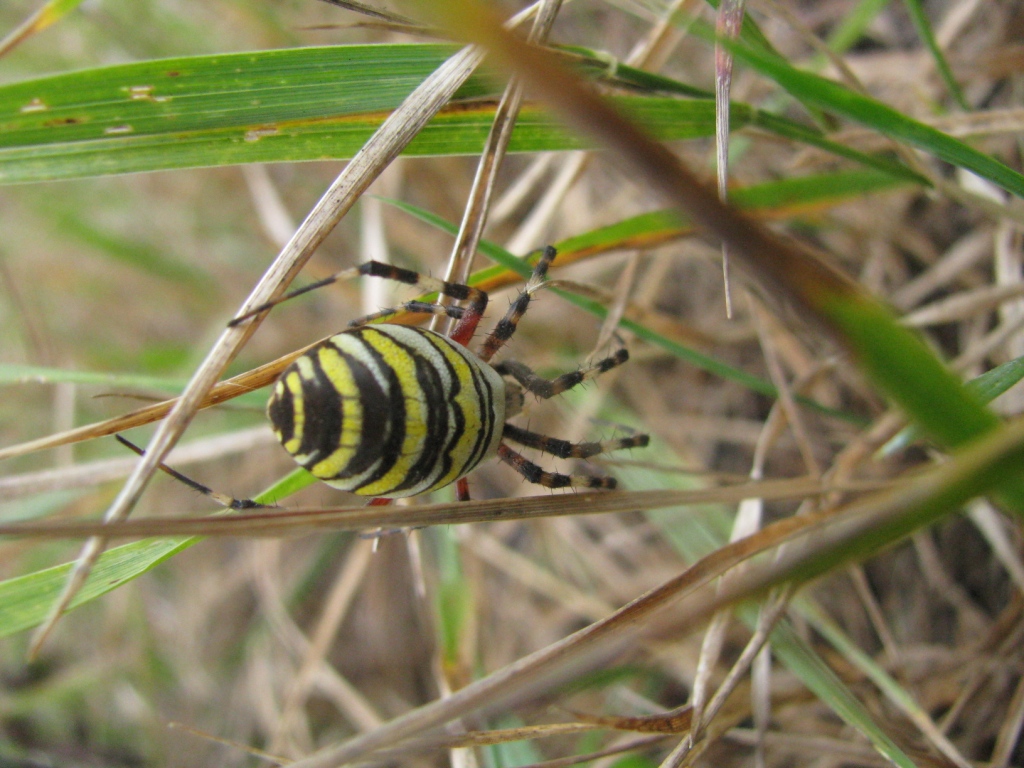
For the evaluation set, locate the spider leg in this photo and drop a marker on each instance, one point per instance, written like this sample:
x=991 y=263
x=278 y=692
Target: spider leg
x=563 y=449
x=536 y=474
x=229 y=502
x=547 y=388
x=224 y=500
x=477 y=299
x=503 y=331
x=415 y=307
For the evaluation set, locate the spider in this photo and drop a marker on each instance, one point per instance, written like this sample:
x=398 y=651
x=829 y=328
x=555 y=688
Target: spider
x=391 y=411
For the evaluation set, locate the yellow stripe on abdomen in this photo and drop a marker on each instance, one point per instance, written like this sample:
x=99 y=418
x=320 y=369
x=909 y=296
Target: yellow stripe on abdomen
x=402 y=365
x=339 y=373
x=389 y=411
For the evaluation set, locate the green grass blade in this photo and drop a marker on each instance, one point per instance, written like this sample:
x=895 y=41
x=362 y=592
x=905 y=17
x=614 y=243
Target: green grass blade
x=596 y=64
x=267 y=106
x=833 y=97
x=242 y=108
x=815 y=191
x=988 y=386
x=854 y=23
x=924 y=30
x=50 y=13
x=808 y=192
x=463 y=130
x=25 y=601
x=991 y=384
x=601 y=66
x=290 y=484
x=453 y=597
x=205 y=110
x=902 y=366
x=900 y=363
x=15 y=373
x=873 y=671
x=826 y=685
x=789 y=129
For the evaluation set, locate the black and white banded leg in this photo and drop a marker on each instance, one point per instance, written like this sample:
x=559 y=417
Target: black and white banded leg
x=563 y=449
x=534 y=473
x=548 y=388
x=477 y=299
x=223 y=499
x=506 y=327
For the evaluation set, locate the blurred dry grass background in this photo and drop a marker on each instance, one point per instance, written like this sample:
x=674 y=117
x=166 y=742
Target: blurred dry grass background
x=287 y=645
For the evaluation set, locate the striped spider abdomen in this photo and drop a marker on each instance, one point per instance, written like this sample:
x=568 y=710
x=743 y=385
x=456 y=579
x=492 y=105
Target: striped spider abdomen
x=388 y=411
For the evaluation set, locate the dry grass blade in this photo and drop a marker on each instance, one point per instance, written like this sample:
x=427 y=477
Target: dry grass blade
x=781 y=267
x=305 y=521
x=770 y=614
x=266 y=374
x=813 y=544
x=389 y=140
x=747 y=521
x=676 y=721
x=435 y=742
x=219 y=393
x=368 y=10
x=327 y=626
x=89 y=474
x=658 y=724
x=474 y=216
x=335 y=608
x=541 y=671
x=963 y=305
x=728 y=22
x=49 y=13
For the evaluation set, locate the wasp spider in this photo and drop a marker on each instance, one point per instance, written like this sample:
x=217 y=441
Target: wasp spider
x=389 y=411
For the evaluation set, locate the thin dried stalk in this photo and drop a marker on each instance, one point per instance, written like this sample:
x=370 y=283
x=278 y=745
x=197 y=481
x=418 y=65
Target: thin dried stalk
x=384 y=146
x=806 y=545
x=333 y=612
x=303 y=521
x=729 y=19
x=474 y=217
